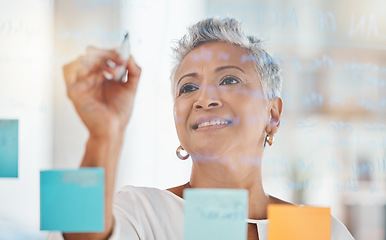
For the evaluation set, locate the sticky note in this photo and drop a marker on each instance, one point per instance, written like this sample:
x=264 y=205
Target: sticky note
x=9 y=148
x=298 y=222
x=215 y=214
x=72 y=200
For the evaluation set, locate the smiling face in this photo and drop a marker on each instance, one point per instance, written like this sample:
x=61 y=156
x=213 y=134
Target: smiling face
x=219 y=105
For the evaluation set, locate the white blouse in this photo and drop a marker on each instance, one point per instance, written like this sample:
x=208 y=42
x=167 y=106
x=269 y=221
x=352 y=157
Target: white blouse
x=144 y=213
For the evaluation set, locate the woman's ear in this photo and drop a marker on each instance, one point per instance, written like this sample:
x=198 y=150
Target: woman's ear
x=276 y=107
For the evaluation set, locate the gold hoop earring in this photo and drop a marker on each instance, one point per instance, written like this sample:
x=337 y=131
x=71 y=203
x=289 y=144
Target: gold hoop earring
x=179 y=155
x=269 y=139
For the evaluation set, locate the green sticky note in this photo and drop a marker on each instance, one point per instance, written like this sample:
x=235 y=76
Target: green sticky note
x=215 y=214
x=9 y=148
x=72 y=200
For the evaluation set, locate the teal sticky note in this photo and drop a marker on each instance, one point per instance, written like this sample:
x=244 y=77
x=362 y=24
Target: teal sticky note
x=9 y=148
x=72 y=200
x=215 y=214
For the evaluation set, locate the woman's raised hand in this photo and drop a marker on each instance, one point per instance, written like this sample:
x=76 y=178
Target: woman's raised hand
x=105 y=106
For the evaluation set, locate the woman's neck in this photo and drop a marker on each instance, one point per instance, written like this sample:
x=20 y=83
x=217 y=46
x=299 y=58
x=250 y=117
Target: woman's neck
x=236 y=174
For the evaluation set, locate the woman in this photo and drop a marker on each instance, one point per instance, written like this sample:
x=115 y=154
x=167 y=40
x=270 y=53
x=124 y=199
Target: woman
x=227 y=105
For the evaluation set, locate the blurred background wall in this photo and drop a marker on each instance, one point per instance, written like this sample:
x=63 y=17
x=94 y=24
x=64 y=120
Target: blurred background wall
x=330 y=149
x=26 y=94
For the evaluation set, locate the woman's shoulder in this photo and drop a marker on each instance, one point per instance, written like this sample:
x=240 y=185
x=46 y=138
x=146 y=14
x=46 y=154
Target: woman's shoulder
x=145 y=194
x=144 y=210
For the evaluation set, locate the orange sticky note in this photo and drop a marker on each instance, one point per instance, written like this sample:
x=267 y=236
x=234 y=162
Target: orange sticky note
x=289 y=222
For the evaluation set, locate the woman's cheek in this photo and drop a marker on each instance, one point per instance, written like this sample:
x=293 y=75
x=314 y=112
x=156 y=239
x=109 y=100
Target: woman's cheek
x=179 y=113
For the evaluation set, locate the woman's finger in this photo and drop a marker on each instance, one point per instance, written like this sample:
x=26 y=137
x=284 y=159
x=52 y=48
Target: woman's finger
x=101 y=57
x=94 y=61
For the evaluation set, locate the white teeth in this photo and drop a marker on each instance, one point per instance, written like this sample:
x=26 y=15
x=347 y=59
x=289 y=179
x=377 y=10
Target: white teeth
x=211 y=123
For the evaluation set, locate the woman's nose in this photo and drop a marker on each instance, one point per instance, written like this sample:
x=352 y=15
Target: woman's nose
x=209 y=98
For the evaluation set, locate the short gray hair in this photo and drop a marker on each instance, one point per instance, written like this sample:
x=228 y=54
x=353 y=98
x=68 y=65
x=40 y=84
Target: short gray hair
x=229 y=30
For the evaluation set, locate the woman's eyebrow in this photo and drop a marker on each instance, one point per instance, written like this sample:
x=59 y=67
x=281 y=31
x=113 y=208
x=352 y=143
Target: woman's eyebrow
x=187 y=75
x=226 y=67
x=216 y=70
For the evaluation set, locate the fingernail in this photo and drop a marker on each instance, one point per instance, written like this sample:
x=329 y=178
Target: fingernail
x=111 y=63
x=124 y=79
x=107 y=75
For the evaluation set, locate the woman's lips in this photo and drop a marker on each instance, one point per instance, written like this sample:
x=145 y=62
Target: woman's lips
x=212 y=124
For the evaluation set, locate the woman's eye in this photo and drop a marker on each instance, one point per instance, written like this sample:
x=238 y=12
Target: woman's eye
x=187 y=88
x=229 y=80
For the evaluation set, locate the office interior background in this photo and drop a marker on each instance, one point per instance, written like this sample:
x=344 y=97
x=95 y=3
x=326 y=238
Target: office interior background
x=331 y=146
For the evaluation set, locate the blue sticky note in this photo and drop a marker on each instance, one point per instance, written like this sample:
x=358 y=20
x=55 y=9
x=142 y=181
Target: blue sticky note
x=215 y=214
x=72 y=200
x=9 y=148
